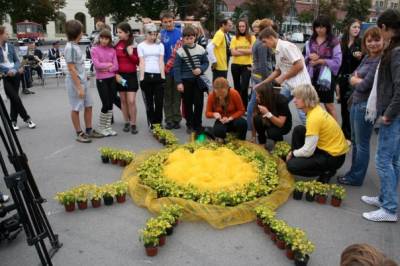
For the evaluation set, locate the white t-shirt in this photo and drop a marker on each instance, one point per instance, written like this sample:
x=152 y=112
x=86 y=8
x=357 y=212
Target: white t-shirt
x=286 y=54
x=151 y=54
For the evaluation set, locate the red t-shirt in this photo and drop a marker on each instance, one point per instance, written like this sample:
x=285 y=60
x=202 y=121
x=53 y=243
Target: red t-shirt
x=127 y=63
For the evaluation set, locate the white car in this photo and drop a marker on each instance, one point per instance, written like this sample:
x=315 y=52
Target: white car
x=85 y=39
x=297 y=37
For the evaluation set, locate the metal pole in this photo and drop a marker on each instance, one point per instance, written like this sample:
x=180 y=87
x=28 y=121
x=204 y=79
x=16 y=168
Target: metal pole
x=215 y=15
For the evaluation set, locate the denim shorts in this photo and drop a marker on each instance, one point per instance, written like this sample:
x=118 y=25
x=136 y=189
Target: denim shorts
x=78 y=104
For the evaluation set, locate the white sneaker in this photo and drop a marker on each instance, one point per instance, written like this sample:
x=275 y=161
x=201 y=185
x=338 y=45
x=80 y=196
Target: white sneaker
x=4 y=198
x=380 y=215
x=104 y=132
x=15 y=127
x=30 y=124
x=111 y=132
x=374 y=201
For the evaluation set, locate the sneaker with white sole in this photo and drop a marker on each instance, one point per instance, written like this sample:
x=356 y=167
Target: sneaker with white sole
x=15 y=127
x=111 y=132
x=30 y=124
x=380 y=215
x=4 y=198
x=373 y=201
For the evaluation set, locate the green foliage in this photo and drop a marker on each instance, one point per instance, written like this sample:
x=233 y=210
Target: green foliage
x=259 y=9
x=281 y=149
x=117 y=154
x=329 y=8
x=306 y=17
x=338 y=191
x=66 y=197
x=121 y=188
x=358 y=9
x=164 y=134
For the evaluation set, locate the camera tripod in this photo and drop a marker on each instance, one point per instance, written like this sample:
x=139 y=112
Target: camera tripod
x=27 y=200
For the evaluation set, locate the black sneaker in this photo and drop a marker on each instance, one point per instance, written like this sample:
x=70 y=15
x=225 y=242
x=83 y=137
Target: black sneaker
x=169 y=126
x=134 y=129
x=176 y=125
x=126 y=127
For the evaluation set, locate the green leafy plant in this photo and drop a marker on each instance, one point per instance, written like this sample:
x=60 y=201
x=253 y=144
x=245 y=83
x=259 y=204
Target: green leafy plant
x=322 y=189
x=120 y=188
x=108 y=190
x=66 y=198
x=303 y=248
x=150 y=237
x=105 y=151
x=338 y=191
x=96 y=193
x=299 y=186
x=281 y=149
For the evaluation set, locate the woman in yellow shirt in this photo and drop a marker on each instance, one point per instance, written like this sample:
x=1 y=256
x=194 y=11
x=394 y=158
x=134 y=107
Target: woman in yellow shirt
x=319 y=148
x=241 y=50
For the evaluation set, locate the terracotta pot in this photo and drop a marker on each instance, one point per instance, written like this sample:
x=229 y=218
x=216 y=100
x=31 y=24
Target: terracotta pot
x=122 y=163
x=82 y=205
x=297 y=195
x=162 y=241
x=289 y=253
x=96 y=203
x=273 y=236
x=151 y=251
x=114 y=161
x=336 y=202
x=259 y=222
x=321 y=199
x=69 y=207
x=267 y=229
x=280 y=244
x=121 y=198
x=176 y=223
x=105 y=159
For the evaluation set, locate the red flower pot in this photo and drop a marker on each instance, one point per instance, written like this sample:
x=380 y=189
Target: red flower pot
x=336 y=202
x=96 y=203
x=82 y=205
x=259 y=222
x=122 y=163
x=151 y=251
x=176 y=223
x=273 y=236
x=321 y=199
x=162 y=241
x=280 y=244
x=267 y=229
x=69 y=207
x=114 y=161
x=121 y=198
x=289 y=253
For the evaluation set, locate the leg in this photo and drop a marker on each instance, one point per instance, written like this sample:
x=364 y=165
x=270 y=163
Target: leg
x=75 y=121
x=344 y=91
x=168 y=99
x=275 y=133
x=176 y=105
x=124 y=105
x=198 y=101
x=147 y=92
x=88 y=117
x=331 y=109
x=220 y=129
x=244 y=86
x=132 y=108
x=103 y=88
x=250 y=109
x=312 y=166
x=11 y=88
x=260 y=128
x=188 y=101
x=158 y=102
x=387 y=164
x=236 y=76
x=239 y=126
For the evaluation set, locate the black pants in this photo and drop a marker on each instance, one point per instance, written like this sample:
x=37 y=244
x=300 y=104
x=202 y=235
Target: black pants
x=193 y=100
x=237 y=126
x=318 y=164
x=219 y=73
x=106 y=89
x=345 y=92
x=273 y=132
x=11 y=88
x=241 y=77
x=153 y=96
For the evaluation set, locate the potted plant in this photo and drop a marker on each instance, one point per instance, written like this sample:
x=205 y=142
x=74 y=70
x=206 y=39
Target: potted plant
x=309 y=189
x=175 y=211
x=114 y=156
x=276 y=227
x=321 y=191
x=81 y=195
x=67 y=199
x=121 y=188
x=338 y=194
x=282 y=149
x=294 y=234
x=150 y=238
x=95 y=196
x=298 y=190
x=108 y=194
x=302 y=250
x=105 y=154
x=282 y=230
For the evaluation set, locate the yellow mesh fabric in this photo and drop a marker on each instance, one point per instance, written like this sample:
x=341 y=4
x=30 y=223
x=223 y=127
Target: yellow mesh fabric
x=217 y=216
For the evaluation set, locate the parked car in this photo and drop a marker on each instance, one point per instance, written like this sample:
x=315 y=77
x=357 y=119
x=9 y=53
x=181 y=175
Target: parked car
x=85 y=39
x=297 y=37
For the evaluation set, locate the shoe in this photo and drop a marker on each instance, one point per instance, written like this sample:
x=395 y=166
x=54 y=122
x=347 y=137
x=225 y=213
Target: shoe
x=109 y=117
x=15 y=127
x=326 y=177
x=134 y=129
x=4 y=198
x=374 y=201
x=126 y=127
x=82 y=137
x=176 y=125
x=95 y=135
x=111 y=132
x=169 y=126
x=26 y=91
x=344 y=181
x=30 y=124
x=380 y=215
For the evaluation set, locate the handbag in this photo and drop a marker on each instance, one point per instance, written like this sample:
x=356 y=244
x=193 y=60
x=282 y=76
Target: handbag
x=202 y=81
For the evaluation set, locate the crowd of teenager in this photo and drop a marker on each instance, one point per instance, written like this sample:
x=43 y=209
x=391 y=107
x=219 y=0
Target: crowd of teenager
x=268 y=72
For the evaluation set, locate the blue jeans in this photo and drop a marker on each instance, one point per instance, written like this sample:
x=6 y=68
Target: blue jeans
x=251 y=104
x=388 y=164
x=287 y=92
x=361 y=131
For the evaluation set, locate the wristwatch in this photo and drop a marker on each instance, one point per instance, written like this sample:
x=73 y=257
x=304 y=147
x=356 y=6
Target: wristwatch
x=268 y=115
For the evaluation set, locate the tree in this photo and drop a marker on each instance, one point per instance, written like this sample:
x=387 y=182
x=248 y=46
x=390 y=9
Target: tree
x=40 y=11
x=119 y=10
x=238 y=14
x=259 y=9
x=328 y=8
x=358 y=9
x=305 y=17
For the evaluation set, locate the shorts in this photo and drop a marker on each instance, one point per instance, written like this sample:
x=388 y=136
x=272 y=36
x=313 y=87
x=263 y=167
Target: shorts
x=78 y=104
x=132 y=81
x=326 y=96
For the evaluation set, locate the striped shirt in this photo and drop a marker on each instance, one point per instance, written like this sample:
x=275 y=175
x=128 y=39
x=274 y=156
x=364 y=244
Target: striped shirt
x=182 y=66
x=286 y=54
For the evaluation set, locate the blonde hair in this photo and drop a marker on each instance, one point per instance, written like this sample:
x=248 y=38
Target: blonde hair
x=308 y=94
x=256 y=23
x=364 y=255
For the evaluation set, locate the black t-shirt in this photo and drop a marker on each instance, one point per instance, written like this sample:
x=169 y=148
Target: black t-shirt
x=283 y=110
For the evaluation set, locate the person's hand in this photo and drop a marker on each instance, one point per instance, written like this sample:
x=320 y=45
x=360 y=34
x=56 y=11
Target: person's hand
x=129 y=49
x=386 y=120
x=263 y=109
x=196 y=71
x=289 y=156
x=357 y=55
x=21 y=70
x=11 y=73
x=256 y=86
x=217 y=116
x=214 y=65
x=355 y=79
x=224 y=120
x=280 y=79
x=81 y=93
x=314 y=57
x=180 y=87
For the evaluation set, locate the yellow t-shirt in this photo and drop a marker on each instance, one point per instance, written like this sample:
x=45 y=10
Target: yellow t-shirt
x=330 y=136
x=220 y=50
x=242 y=43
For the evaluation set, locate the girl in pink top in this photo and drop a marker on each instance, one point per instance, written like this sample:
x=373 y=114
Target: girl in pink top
x=106 y=64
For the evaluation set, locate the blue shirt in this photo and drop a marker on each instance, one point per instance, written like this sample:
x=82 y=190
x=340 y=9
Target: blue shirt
x=169 y=39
